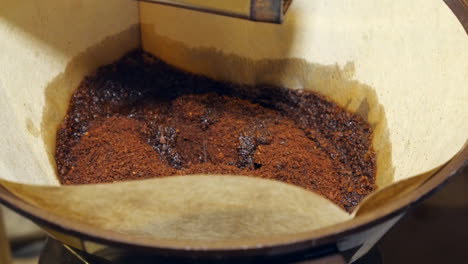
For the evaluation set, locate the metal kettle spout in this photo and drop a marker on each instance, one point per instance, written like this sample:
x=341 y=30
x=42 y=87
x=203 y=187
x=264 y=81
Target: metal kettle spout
x=271 y=11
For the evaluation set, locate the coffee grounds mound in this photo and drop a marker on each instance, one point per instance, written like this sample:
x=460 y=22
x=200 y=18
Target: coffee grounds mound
x=140 y=118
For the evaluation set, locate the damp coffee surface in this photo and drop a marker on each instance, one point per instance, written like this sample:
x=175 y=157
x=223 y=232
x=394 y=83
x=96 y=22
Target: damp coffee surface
x=140 y=118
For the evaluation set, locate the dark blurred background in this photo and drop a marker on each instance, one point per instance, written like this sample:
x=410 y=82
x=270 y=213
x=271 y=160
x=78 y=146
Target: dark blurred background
x=435 y=231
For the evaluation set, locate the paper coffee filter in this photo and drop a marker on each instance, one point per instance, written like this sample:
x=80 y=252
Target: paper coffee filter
x=199 y=208
x=391 y=62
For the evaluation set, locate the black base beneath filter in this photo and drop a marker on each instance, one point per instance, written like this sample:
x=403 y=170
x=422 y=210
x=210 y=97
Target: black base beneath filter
x=57 y=253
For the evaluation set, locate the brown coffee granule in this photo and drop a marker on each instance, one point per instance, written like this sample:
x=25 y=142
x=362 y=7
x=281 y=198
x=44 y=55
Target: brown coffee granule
x=140 y=118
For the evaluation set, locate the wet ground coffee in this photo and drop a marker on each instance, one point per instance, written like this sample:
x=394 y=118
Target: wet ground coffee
x=141 y=118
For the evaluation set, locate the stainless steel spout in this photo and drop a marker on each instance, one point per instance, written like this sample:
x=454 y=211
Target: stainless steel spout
x=271 y=11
